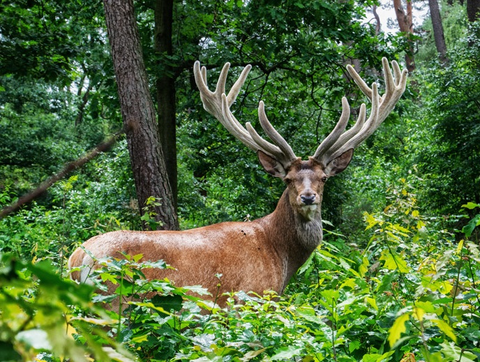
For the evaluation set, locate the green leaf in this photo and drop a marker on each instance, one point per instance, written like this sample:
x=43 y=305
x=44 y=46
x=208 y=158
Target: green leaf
x=394 y=262
x=386 y=282
x=452 y=352
x=445 y=328
x=375 y=357
x=308 y=313
x=398 y=328
x=468 y=229
x=354 y=345
x=168 y=302
x=286 y=353
x=470 y=205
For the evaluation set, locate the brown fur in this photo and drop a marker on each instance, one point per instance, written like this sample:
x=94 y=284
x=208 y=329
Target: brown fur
x=251 y=256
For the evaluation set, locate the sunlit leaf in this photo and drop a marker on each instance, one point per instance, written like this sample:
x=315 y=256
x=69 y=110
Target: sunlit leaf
x=398 y=327
x=136 y=258
x=470 y=205
x=459 y=247
x=454 y=353
x=394 y=262
x=372 y=302
x=363 y=268
x=427 y=306
x=285 y=353
x=370 y=220
x=418 y=313
x=445 y=328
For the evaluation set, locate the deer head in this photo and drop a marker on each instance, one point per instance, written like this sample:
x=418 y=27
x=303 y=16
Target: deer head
x=304 y=179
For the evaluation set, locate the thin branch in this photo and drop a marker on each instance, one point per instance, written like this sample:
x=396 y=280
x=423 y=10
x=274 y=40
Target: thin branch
x=69 y=167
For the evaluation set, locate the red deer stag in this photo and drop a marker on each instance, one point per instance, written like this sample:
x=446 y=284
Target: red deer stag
x=265 y=253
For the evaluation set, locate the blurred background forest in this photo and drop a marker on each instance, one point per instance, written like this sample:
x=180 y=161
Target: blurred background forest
x=420 y=171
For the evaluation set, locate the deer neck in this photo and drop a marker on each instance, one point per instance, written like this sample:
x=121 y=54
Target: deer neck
x=293 y=236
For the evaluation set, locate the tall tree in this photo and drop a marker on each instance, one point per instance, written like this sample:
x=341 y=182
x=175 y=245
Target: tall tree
x=138 y=112
x=165 y=87
x=438 y=29
x=473 y=10
x=405 y=23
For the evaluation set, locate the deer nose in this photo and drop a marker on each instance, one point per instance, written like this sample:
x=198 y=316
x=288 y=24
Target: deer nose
x=308 y=199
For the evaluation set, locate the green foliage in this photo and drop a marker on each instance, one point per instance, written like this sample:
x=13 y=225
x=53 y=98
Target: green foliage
x=404 y=288
x=454 y=21
x=410 y=292
x=96 y=201
x=36 y=315
x=448 y=157
x=148 y=216
x=46 y=39
x=474 y=222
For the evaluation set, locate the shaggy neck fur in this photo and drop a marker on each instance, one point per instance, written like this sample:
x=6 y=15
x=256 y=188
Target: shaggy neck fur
x=293 y=244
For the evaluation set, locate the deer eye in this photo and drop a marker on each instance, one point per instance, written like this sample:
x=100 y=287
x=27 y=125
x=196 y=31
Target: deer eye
x=324 y=179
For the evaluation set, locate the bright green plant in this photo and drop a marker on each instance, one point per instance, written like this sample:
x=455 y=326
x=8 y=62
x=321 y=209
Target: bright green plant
x=36 y=315
x=474 y=222
x=148 y=216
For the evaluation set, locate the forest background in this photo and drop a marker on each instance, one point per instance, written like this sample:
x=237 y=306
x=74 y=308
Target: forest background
x=397 y=277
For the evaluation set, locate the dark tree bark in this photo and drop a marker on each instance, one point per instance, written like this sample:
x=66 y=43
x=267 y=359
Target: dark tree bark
x=165 y=85
x=138 y=111
x=473 y=10
x=405 y=23
x=438 y=30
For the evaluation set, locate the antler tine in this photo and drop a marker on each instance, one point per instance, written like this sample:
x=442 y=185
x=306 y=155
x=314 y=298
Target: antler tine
x=337 y=131
x=346 y=136
x=271 y=132
x=228 y=120
x=395 y=83
x=366 y=131
x=218 y=104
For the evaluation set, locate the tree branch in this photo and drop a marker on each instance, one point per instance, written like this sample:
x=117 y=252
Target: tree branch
x=69 y=167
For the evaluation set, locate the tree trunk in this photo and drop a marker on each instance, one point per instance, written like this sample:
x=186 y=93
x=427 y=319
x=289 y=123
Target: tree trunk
x=165 y=85
x=138 y=112
x=438 y=30
x=473 y=8
x=378 y=25
x=405 y=23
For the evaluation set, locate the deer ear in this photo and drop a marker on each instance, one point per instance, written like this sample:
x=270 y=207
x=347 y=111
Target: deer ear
x=339 y=164
x=271 y=165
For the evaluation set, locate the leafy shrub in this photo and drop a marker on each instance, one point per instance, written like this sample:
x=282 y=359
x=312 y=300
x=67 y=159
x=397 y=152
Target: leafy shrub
x=82 y=206
x=409 y=293
x=36 y=315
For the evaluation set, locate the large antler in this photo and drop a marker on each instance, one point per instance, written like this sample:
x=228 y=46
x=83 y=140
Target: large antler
x=218 y=104
x=338 y=141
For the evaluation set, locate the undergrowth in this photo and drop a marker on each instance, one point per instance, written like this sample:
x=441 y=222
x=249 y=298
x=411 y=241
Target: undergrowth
x=410 y=294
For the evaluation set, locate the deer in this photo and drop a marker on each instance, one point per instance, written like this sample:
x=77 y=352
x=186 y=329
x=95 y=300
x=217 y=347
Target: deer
x=260 y=255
